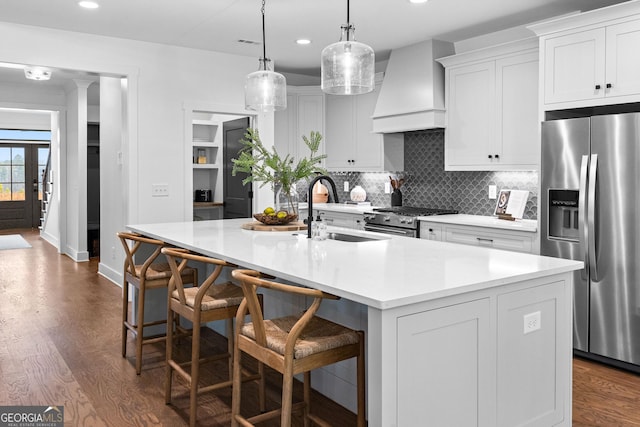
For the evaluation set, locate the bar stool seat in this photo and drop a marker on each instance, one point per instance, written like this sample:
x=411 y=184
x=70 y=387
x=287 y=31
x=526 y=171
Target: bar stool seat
x=144 y=276
x=318 y=335
x=290 y=345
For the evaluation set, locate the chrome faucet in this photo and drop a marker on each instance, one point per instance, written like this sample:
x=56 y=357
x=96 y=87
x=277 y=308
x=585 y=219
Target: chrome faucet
x=310 y=198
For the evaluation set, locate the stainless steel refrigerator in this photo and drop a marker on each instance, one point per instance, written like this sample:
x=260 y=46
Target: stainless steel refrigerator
x=590 y=211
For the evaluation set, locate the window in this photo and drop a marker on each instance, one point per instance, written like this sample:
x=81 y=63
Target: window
x=12 y=173
x=25 y=135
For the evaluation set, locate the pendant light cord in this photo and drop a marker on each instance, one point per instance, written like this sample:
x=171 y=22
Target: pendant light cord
x=264 y=43
x=348 y=21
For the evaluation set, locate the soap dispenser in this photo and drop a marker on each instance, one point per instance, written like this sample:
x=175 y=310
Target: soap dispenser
x=318 y=229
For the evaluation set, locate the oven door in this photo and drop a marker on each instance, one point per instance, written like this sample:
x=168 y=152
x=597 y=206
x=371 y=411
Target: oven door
x=395 y=231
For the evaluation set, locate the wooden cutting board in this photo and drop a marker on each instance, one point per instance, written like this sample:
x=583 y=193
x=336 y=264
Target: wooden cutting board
x=258 y=226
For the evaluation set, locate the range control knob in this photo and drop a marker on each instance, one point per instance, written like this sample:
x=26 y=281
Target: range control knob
x=403 y=220
x=387 y=219
x=410 y=221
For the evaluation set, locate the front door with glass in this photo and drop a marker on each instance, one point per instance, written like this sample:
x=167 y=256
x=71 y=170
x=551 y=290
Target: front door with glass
x=21 y=186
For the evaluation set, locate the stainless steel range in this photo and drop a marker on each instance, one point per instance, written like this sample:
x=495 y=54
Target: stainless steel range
x=400 y=220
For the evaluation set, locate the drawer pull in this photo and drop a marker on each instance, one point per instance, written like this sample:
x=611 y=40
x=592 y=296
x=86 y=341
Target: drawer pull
x=484 y=239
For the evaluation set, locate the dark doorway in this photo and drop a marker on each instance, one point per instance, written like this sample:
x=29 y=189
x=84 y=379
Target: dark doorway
x=21 y=188
x=237 y=197
x=93 y=189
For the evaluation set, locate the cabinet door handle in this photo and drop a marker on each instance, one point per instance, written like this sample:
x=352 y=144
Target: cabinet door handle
x=484 y=239
x=597 y=87
x=609 y=85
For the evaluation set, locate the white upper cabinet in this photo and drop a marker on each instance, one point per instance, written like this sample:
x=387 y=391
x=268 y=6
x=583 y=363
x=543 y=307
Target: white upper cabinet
x=351 y=144
x=622 y=66
x=492 y=108
x=518 y=124
x=470 y=133
x=574 y=67
x=304 y=113
x=591 y=59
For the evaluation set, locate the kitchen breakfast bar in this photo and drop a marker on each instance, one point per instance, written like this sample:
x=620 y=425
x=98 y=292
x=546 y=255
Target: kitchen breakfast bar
x=456 y=335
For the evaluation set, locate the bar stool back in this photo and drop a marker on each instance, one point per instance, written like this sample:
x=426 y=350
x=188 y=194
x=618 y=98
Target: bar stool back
x=144 y=276
x=291 y=345
x=209 y=302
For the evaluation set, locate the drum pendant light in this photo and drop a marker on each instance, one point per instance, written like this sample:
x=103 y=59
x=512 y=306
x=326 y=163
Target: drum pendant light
x=265 y=90
x=347 y=67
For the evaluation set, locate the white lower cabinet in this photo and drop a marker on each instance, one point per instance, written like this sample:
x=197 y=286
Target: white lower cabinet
x=452 y=347
x=531 y=329
x=479 y=359
x=341 y=219
x=518 y=241
x=430 y=231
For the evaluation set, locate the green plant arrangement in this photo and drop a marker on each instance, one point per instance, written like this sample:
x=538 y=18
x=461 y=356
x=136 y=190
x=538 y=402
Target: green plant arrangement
x=269 y=167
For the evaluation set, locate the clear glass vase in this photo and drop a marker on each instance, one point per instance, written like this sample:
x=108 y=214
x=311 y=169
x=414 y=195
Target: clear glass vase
x=286 y=199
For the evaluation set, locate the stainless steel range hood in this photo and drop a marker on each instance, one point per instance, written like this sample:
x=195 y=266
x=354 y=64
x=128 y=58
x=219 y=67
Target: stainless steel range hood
x=412 y=93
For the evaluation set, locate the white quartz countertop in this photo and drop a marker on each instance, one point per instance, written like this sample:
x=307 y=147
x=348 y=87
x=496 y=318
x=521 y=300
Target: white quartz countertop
x=385 y=273
x=528 y=225
x=339 y=207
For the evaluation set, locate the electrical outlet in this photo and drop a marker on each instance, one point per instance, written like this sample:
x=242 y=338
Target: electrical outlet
x=493 y=192
x=387 y=188
x=346 y=186
x=113 y=252
x=160 y=190
x=532 y=322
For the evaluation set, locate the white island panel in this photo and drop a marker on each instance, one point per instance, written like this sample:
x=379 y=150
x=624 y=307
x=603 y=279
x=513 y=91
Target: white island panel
x=434 y=310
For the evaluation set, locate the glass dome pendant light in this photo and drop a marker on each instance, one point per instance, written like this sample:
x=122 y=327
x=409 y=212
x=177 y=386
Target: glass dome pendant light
x=265 y=90
x=348 y=67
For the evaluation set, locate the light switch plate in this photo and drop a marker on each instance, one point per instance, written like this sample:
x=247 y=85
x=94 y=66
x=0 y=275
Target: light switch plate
x=387 y=187
x=160 y=190
x=346 y=186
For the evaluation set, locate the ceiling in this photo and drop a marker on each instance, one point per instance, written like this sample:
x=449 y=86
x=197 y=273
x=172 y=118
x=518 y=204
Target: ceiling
x=218 y=25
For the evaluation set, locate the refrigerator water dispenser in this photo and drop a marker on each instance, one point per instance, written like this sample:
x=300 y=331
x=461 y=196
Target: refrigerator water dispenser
x=563 y=214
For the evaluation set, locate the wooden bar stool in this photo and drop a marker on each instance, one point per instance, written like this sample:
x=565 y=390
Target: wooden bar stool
x=148 y=275
x=206 y=303
x=291 y=345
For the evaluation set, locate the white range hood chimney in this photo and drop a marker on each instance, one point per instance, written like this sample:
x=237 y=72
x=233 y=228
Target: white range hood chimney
x=412 y=92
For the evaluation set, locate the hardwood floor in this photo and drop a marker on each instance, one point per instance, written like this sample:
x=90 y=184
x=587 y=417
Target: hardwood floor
x=60 y=344
x=604 y=396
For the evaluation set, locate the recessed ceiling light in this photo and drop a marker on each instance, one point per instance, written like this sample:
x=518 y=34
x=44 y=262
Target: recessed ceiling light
x=303 y=41
x=88 y=4
x=37 y=73
x=243 y=41
x=418 y=1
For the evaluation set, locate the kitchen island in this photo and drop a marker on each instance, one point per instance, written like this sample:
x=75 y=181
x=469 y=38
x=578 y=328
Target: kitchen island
x=456 y=335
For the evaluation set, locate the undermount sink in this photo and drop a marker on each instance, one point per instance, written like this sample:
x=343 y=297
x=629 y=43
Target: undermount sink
x=351 y=237
x=356 y=238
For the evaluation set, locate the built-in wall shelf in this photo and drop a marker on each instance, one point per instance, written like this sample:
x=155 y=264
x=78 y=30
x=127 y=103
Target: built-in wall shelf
x=206 y=205
x=205 y=166
x=206 y=144
x=204 y=135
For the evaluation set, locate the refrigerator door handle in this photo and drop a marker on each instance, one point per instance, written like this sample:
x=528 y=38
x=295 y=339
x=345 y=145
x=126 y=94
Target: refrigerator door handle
x=582 y=209
x=591 y=232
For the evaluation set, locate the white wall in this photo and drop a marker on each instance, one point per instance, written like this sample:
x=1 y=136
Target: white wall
x=24 y=119
x=160 y=79
x=113 y=204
